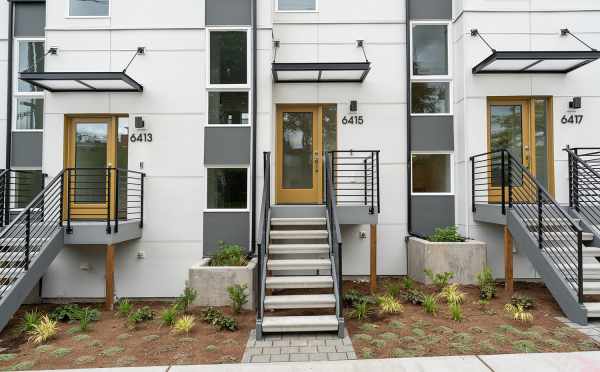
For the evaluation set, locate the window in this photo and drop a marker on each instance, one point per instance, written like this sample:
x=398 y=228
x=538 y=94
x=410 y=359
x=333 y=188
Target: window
x=30 y=114
x=430 y=49
x=430 y=98
x=296 y=5
x=329 y=128
x=31 y=59
x=28 y=111
x=228 y=108
x=227 y=188
x=432 y=173
x=228 y=58
x=88 y=8
x=27 y=185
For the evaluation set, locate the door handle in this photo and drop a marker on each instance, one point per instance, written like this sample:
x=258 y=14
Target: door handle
x=316 y=162
x=527 y=156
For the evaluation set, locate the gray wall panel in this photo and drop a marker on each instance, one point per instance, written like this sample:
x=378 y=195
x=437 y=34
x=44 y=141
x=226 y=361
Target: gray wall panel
x=432 y=133
x=228 y=12
x=223 y=145
x=232 y=228
x=430 y=9
x=430 y=212
x=26 y=150
x=30 y=19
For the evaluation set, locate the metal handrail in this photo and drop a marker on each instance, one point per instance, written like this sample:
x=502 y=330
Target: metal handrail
x=263 y=242
x=584 y=183
x=530 y=200
x=355 y=177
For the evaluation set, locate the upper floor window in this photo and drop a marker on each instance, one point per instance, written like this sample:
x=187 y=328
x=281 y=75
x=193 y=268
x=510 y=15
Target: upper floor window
x=30 y=59
x=228 y=57
x=89 y=8
x=296 y=5
x=430 y=49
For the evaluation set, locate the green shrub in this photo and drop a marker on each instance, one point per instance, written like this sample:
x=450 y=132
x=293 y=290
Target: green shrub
x=30 y=320
x=86 y=316
x=414 y=296
x=526 y=302
x=353 y=297
x=361 y=311
x=455 y=311
x=408 y=283
x=185 y=300
x=440 y=280
x=141 y=315
x=446 y=235
x=184 y=324
x=238 y=297
x=390 y=305
x=393 y=288
x=217 y=319
x=73 y=312
x=168 y=316
x=487 y=284
x=430 y=304
x=124 y=307
x=452 y=294
x=43 y=331
x=229 y=255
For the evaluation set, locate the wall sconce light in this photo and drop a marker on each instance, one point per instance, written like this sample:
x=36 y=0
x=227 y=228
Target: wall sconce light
x=575 y=103
x=353 y=106
x=139 y=123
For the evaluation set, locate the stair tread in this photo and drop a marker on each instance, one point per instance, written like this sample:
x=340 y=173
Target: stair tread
x=300 y=323
x=299 y=245
x=300 y=299
x=299 y=232
x=298 y=262
x=302 y=221
x=314 y=281
x=298 y=248
x=592 y=306
x=586 y=236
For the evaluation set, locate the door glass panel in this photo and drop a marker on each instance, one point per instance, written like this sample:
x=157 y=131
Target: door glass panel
x=329 y=128
x=297 y=150
x=91 y=149
x=506 y=130
x=123 y=163
x=541 y=141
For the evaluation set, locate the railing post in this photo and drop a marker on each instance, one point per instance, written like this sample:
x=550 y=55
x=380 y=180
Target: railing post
x=69 y=228
x=378 y=194
x=372 y=208
x=473 y=206
x=108 y=197
x=61 y=200
x=502 y=181
x=540 y=207
x=142 y=201
x=580 y=265
x=510 y=183
x=6 y=215
x=27 y=237
x=576 y=185
x=571 y=184
x=117 y=189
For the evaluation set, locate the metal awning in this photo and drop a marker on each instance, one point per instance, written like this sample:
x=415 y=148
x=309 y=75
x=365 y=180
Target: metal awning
x=82 y=81
x=549 y=62
x=340 y=72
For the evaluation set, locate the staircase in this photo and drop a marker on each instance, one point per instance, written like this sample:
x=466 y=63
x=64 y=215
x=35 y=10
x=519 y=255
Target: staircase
x=299 y=260
x=556 y=239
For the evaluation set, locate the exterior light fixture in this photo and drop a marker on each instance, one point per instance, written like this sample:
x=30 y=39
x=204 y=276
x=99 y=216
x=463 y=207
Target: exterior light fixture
x=575 y=103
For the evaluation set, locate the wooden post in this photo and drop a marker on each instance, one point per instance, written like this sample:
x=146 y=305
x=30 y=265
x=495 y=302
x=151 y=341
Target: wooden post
x=373 y=276
x=508 y=261
x=110 y=277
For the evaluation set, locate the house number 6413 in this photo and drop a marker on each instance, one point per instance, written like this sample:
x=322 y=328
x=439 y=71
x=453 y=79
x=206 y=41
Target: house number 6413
x=142 y=137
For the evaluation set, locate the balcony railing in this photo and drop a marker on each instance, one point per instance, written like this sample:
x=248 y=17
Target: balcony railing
x=355 y=178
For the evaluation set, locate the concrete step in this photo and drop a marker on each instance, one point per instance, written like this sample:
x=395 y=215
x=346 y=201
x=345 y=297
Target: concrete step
x=587 y=251
x=298 y=248
x=317 y=323
x=298 y=211
x=291 y=282
x=569 y=236
x=593 y=309
x=591 y=288
x=300 y=264
x=549 y=221
x=314 y=301
x=315 y=221
x=590 y=270
x=299 y=234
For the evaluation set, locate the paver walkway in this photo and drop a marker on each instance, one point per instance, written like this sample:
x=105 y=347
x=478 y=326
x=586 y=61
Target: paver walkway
x=592 y=329
x=298 y=348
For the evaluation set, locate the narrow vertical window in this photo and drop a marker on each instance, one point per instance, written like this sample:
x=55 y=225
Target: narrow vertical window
x=228 y=57
x=431 y=174
x=227 y=188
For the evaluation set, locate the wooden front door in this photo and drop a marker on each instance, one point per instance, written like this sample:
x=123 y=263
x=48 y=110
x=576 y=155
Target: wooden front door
x=299 y=160
x=90 y=144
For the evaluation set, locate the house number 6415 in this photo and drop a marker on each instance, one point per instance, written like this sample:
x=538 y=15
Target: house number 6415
x=353 y=120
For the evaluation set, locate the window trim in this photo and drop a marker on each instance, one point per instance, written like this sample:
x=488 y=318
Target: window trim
x=248 y=83
x=207 y=108
x=448 y=25
x=450 y=98
x=226 y=210
x=69 y=16
x=277 y=10
x=452 y=189
x=16 y=94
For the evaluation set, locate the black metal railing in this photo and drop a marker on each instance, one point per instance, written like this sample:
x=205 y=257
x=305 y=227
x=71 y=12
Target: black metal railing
x=584 y=183
x=355 y=177
x=263 y=243
x=17 y=190
x=335 y=239
x=499 y=178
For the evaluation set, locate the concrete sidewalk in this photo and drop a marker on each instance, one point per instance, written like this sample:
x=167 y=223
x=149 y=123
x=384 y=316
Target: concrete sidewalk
x=554 y=362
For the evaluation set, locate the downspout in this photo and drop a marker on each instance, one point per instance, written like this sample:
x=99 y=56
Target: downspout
x=254 y=123
x=408 y=123
x=9 y=86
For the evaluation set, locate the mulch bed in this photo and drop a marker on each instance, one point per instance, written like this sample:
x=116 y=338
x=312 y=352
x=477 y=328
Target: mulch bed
x=483 y=330
x=110 y=343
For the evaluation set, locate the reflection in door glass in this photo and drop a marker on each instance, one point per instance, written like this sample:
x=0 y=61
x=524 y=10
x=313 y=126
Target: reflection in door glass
x=123 y=164
x=329 y=128
x=506 y=132
x=90 y=154
x=297 y=150
x=541 y=141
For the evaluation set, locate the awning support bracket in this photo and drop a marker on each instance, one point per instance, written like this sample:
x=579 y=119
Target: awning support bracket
x=139 y=51
x=565 y=32
x=475 y=32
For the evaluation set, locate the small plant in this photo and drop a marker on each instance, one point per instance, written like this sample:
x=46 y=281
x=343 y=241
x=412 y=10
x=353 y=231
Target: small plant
x=43 y=331
x=455 y=311
x=168 y=316
x=430 y=304
x=229 y=255
x=487 y=284
x=353 y=297
x=216 y=318
x=30 y=320
x=184 y=324
x=393 y=288
x=238 y=297
x=518 y=313
x=185 y=300
x=414 y=296
x=140 y=315
x=65 y=313
x=361 y=311
x=446 y=234
x=452 y=294
x=440 y=280
x=87 y=316
x=408 y=283
x=124 y=307
x=523 y=300
x=390 y=305
x=226 y=323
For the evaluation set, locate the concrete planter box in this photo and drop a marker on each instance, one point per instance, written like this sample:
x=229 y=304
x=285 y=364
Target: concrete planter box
x=212 y=282
x=465 y=260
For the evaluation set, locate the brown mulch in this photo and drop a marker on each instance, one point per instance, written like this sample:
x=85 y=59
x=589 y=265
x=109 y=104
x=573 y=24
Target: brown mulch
x=483 y=330
x=112 y=344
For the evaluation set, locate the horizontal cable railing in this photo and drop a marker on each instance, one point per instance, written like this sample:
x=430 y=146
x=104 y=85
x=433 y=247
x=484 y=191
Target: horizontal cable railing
x=355 y=177
x=18 y=188
x=584 y=183
x=499 y=178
